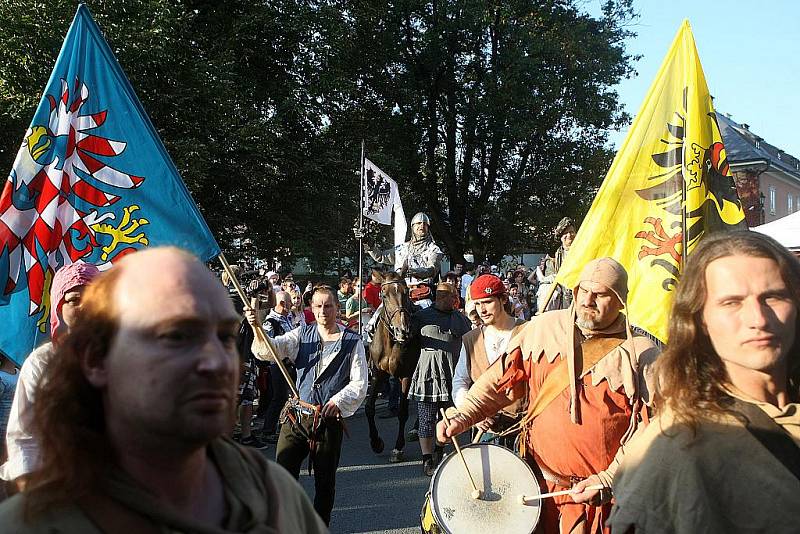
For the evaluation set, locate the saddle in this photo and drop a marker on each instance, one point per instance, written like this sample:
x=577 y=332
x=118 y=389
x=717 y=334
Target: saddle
x=420 y=292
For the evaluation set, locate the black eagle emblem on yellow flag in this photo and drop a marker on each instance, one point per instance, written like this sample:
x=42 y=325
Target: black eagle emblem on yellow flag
x=668 y=186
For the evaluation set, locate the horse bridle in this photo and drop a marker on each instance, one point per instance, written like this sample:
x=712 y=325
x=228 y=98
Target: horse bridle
x=387 y=315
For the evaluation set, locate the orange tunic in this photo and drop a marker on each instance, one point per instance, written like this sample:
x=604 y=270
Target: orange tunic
x=575 y=450
x=606 y=395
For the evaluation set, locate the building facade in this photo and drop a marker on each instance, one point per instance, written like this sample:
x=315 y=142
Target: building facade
x=767 y=179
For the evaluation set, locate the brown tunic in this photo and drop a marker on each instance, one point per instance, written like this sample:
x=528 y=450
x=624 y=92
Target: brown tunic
x=718 y=478
x=478 y=363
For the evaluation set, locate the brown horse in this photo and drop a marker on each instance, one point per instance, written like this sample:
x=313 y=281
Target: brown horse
x=393 y=352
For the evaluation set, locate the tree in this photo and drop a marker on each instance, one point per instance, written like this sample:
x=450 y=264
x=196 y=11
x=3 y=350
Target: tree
x=231 y=89
x=493 y=115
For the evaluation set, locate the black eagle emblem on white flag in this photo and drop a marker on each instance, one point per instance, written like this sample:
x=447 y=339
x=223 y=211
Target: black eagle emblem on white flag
x=382 y=200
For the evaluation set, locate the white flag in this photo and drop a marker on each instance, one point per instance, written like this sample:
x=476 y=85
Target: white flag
x=381 y=198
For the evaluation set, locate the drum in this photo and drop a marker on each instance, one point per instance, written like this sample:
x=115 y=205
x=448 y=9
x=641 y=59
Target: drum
x=502 y=477
x=426 y=521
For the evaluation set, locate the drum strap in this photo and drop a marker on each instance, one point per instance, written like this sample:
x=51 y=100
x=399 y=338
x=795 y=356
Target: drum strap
x=588 y=354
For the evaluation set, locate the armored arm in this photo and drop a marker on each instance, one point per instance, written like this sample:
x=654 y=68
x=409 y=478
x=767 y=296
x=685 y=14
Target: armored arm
x=386 y=257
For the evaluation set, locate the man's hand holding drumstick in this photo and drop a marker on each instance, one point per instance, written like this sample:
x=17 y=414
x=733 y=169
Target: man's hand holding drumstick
x=585 y=491
x=457 y=425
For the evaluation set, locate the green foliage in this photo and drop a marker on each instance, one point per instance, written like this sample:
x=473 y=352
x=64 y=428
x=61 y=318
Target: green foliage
x=492 y=116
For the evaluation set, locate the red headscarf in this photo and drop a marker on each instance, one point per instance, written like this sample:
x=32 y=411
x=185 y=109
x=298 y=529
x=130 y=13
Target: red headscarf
x=67 y=278
x=486 y=285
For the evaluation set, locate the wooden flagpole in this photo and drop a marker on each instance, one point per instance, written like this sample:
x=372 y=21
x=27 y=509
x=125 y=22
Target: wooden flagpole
x=258 y=330
x=361 y=241
x=684 y=232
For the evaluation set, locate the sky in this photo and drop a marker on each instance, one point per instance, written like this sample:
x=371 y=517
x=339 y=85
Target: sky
x=750 y=52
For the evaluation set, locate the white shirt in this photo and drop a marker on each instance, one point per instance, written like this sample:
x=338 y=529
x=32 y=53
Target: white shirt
x=495 y=347
x=23 y=450
x=352 y=395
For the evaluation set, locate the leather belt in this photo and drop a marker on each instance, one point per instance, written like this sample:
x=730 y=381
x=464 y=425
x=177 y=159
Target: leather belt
x=556 y=478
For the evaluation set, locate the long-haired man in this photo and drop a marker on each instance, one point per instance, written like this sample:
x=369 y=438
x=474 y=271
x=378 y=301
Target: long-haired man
x=723 y=454
x=131 y=412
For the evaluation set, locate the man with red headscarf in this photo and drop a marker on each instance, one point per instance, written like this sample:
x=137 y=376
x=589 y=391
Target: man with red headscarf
x=483 y=346
x=588 y=380
x=65 y=300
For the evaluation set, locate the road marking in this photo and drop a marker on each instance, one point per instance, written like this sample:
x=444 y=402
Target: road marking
x=347 y=468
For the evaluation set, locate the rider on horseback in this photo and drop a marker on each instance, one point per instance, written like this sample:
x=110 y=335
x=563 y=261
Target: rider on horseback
x=418 y=260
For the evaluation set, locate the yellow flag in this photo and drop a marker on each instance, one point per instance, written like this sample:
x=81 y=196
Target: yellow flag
x=671 y=173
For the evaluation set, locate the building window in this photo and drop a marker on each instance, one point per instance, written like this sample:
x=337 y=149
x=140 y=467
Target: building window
x=789 y=202
x=773 y=200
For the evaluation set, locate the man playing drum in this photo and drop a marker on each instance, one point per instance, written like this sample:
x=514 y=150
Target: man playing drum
x=589 y=381
x=483 y=346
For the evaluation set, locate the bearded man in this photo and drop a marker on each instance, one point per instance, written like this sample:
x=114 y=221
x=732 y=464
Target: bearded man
x=418 y=260
x=589 y=381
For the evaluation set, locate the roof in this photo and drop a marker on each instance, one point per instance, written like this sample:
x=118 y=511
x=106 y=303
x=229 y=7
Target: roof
x=742 y=145
x=785 y=230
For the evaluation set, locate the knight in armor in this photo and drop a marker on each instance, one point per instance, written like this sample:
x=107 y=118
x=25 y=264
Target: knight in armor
x=418 y=260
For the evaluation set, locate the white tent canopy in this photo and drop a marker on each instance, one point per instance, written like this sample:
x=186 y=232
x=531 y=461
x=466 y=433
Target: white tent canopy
x=785 y=230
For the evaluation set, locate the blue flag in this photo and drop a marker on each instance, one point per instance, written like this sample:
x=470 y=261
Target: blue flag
x=92 y=181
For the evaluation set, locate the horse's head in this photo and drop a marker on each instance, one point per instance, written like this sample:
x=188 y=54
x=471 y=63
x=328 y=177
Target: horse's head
x=396 y=305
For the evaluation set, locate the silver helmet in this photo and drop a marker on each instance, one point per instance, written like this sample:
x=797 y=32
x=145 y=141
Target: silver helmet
x=420 y=217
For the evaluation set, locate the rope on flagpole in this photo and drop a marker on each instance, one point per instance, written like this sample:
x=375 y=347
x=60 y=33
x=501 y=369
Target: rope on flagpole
x=257 y=329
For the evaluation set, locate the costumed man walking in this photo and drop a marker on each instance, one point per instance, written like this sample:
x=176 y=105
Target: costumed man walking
x=66 y=291
x=589 y=382
x=132 y=410
x=439 y=329
x=278 y=322
x=562 y=297
x=483 y=346
x=332 y=375
x=723 y=455
x=418 y=260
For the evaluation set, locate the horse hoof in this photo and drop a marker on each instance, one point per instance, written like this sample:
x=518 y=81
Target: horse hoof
x=396 y=456
x=377 y=445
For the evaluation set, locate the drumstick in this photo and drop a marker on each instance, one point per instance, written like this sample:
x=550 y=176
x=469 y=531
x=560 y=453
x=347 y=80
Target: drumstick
x=524 y=498
x=478 y=436
x=476 y=493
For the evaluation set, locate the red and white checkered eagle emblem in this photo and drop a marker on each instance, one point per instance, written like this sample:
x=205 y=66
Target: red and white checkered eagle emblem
x=49 y=203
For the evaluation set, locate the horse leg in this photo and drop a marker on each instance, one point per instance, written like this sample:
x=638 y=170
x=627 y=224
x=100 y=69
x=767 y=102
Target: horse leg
x=402 y=418
x=375 y=440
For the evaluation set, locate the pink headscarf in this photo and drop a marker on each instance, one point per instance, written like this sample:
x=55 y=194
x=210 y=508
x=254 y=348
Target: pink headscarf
x=67 y=278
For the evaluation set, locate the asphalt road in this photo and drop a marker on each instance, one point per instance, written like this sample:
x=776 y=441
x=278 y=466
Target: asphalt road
x=372 y=495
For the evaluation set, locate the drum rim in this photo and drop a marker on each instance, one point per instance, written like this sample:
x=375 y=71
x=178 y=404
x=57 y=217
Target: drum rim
x=435 y=477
